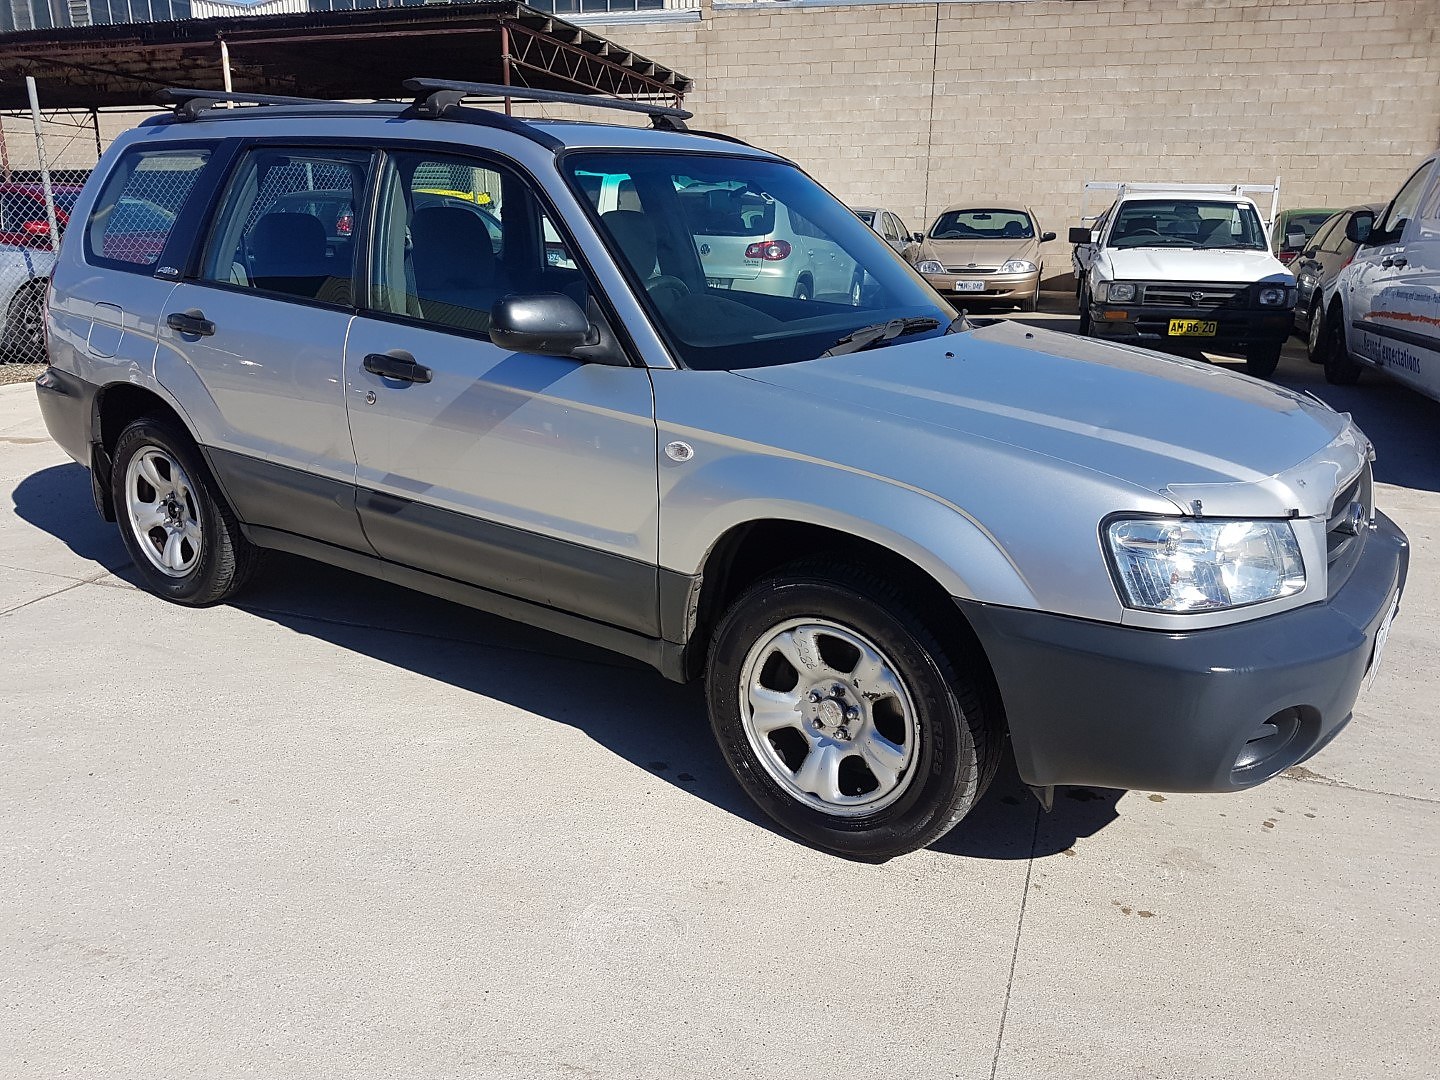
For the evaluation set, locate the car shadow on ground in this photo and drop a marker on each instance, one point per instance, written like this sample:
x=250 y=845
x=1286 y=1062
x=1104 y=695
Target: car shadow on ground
x=621 y=704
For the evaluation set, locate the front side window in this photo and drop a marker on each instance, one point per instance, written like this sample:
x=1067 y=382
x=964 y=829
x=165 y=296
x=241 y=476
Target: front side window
x=132 y=218
x=285 y=226
x=1187 y=223
x=983 y=224
x=745 y=262
x=1405 y=204
x=455 y=235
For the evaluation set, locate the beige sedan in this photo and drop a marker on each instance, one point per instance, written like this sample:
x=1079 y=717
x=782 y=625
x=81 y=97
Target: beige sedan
x=980 y=252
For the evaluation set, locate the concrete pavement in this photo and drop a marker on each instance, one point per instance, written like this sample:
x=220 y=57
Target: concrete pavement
x=337 y=829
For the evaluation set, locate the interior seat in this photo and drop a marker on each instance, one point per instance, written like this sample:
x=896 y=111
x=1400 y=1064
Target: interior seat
x=456 y=275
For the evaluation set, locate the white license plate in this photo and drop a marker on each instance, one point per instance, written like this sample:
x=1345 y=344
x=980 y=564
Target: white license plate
x=969 y=286
x=1381 y=637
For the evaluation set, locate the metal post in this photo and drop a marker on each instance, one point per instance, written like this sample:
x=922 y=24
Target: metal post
x=4 y=153
x=95 y=119
x=44 y=167
x=505 y=60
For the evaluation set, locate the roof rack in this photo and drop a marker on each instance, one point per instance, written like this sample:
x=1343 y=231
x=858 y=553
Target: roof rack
x=189 y=104
x=1126 y=187
x=434 y=96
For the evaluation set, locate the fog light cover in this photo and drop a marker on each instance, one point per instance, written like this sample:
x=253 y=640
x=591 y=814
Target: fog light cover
x=1177 y=565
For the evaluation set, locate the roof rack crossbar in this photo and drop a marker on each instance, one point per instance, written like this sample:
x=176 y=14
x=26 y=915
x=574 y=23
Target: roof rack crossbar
x=189 y=104
x=665 y=117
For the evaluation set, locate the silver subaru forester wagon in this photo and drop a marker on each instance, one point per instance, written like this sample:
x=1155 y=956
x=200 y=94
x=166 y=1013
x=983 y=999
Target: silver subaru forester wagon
x=496 y=367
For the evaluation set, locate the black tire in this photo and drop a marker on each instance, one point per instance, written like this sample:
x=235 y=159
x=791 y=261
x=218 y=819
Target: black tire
x=1262 y=360
x=1340 y=367
x=1032 y=302
x=1316 y=344
x=804 y=289
x=957 y=739
x=24 y=341
x=1084 y=312
x=223 y=560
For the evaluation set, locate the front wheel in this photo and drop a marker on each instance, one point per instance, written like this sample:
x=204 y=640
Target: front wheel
x=1262 y=360
x=1084 y=313
x=1340 y=367
x=185 y=542
x=843 y=717
x=1315 y=342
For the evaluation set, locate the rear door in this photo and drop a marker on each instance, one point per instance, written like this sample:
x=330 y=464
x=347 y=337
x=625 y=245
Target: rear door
x=260 y=325
x=530 y=476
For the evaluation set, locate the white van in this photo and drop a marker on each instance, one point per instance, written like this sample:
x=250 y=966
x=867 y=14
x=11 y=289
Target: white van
x=1386 y=308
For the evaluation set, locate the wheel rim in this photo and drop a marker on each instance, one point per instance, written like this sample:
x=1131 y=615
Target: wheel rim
x=1317 y=320
x=30 y=320
x=164 y=512
x=829 y=718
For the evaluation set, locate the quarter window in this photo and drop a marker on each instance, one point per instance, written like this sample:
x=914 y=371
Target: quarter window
x=287 y=224
x=136 y=210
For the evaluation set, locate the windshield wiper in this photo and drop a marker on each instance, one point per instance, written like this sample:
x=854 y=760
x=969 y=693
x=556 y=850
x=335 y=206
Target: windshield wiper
x=867 y=337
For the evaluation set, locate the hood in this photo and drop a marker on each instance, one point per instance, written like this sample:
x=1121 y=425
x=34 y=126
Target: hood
x=983 y=253
x=1187 y=264
x=1178 y=428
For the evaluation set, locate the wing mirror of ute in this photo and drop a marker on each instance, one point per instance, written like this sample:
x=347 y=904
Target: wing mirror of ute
x=1081 y=235
x=1045 y=238
x=552 y=324
x=918 y=237
x=1360 y=226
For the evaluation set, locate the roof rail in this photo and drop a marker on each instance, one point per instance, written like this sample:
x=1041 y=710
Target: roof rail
x=189 y=104
x=434 y=96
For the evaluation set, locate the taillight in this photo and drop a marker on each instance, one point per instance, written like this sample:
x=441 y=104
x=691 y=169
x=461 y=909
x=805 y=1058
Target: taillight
x=37 y=228
x=344 y=224
x=769 y=250
x=1287 y=257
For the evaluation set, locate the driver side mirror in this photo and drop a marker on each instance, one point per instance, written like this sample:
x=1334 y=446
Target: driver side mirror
x=552 y=324
x=918 y=237
x=1081 y=235
x=1045 y=238
x=1360 y=226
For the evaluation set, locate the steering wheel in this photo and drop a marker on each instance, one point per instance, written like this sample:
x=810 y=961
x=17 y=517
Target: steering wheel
x=1142 y=232
x=667 y=286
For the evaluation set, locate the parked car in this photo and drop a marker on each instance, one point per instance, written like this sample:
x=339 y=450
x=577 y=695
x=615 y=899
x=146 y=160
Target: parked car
x=24 y=221
x=24 y=273
x=894 y=231
x=1293 y=229
x=1316 y=269
x=1184 y=271
x=985 y=252
x=1384 y=311
x=867 y=523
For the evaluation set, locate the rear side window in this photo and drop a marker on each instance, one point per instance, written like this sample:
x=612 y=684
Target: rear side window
x=132 y=219
x=286 y=224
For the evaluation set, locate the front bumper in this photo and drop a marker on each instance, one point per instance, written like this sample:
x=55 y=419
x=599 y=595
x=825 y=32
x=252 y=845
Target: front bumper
x=1150 y=326
x=999 y=288
x=1114 y=706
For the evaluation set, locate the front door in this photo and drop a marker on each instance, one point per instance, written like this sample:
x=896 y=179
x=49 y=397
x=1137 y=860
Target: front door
x=531 y=476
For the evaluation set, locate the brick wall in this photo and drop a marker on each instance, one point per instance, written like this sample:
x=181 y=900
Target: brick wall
x=919 y=105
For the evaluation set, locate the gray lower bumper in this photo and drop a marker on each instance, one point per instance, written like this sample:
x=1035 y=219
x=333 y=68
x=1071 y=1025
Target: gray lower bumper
x=1112 y=706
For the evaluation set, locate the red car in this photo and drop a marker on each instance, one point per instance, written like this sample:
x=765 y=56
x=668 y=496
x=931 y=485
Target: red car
x=23 y=220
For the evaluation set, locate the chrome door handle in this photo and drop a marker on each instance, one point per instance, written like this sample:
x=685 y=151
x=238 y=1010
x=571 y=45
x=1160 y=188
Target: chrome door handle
x=190 y=322
x=397 y=365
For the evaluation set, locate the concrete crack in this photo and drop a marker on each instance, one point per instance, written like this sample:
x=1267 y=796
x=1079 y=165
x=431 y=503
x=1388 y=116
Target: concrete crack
x=1015 y=953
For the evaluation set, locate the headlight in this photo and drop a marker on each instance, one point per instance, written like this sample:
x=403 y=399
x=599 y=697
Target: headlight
x=1272 y=296
x=929 y=266
x=1120 y=292
x=1018 y=266
x=1184 y=565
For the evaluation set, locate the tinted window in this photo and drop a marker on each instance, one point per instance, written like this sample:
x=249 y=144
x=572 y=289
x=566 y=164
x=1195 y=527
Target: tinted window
x=446 y=254
x=891 y=233
x=982 y=224
x=1325 y=237
x=720 y=210
x=1406 y=203
x=867 y=216
x=132 y=219
x=1299 y=228
x=283 y=224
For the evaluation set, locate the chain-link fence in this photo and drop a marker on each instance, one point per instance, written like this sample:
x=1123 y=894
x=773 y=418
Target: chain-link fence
x=42 y=168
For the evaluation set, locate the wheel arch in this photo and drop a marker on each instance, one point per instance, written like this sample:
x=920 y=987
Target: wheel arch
x=116 y=406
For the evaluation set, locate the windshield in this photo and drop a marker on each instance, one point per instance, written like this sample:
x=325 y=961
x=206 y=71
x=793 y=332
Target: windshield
x=747 y=263
x=1187 y=223
x=982 y=224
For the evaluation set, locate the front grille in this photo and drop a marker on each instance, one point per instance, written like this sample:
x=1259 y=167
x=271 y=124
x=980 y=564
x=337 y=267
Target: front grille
x=971 y=269
x=1340 y=534
x=1197 y=296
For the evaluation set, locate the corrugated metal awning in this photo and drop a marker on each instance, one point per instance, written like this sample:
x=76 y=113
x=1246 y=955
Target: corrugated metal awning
x=333 y=54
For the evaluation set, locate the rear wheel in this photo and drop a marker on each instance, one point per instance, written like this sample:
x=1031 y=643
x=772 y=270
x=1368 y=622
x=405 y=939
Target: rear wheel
x=185 y=542
x=1340 y=367
x=1262 y=360
x=24 y=341
x=842 y=716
